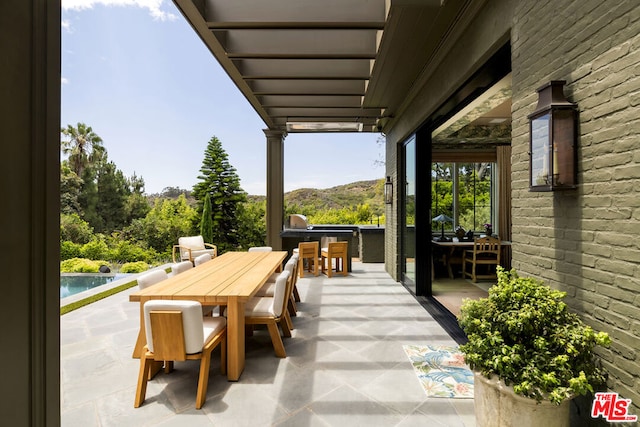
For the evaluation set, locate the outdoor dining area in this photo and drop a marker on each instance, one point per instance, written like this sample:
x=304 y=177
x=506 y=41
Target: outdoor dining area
x=273 y=343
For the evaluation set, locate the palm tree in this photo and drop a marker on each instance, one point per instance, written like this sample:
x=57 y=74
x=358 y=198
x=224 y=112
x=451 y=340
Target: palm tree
x=84 y=147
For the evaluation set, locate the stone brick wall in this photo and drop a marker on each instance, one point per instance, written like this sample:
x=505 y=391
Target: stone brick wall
x=585 y=242
x=391 y=237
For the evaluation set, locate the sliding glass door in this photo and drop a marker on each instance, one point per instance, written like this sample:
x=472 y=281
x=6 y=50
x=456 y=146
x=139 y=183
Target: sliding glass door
x=409 y=220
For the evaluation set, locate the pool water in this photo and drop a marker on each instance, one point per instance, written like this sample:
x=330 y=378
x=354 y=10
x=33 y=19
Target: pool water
x=71 y=284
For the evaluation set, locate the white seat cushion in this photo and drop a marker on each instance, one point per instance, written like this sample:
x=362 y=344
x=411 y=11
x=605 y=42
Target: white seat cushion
x=268 y=288
x=259 y=307
x=211 y=326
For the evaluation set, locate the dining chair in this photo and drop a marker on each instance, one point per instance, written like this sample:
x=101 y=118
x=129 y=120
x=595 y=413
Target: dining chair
x=308 y=251
x=151 y=278
x=176 y=331
x=180 y=267
x=201 y=259
x=183 y=266
x=486 y=252
x=260 y=249
x=338 y=251
x=268 y=289
x=272 y=311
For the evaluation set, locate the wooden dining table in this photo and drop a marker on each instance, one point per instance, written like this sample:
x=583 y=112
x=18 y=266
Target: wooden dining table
x=450 y=247
x=228 y=280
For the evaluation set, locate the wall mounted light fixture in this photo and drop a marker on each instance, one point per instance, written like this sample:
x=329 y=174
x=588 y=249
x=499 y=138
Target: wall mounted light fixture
x=552 y=140
x=388 y=191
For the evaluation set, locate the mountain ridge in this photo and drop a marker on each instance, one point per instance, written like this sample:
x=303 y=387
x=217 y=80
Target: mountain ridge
x=356 y=193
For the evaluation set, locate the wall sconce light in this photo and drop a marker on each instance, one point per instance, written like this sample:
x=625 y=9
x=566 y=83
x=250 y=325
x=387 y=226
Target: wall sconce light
x=388 y=191
x=552 y=140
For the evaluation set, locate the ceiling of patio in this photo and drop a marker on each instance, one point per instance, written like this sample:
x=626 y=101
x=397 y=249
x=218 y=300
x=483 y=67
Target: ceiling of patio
x=330 y=65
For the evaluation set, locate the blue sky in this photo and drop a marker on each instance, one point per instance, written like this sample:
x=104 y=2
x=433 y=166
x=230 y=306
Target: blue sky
x=136 y=72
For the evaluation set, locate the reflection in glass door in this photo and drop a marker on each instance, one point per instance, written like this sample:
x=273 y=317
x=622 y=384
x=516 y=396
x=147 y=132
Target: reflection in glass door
x=409 y=235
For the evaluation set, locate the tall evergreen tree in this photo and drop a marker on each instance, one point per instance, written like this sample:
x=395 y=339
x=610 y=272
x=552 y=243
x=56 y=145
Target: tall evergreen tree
x=206 y=225
x=113 y=192
x=220 y=180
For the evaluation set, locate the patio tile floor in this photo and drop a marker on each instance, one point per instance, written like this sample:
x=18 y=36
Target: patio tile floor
x=345 y=366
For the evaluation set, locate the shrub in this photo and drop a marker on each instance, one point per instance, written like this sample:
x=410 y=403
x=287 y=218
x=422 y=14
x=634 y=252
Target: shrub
x=95 y=249
x=125 y=251
x=524 y=333
x=81 y=265
x=69 y=250
x=134 y=267
x=75 y=229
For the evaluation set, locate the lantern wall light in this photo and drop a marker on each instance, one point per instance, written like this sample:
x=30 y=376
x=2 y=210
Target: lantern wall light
x=388 y=191
x=552 y=140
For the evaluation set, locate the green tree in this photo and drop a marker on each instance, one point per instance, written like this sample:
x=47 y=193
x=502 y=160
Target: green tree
x=70 y=187
x=164 y=224
x=74 y=229
x=112 y=193
x=220 y=180
x=82 y=146
x=206 y=226
x=252 y=224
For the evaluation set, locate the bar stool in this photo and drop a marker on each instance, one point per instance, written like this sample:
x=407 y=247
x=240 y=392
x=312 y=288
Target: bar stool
x=308 y=251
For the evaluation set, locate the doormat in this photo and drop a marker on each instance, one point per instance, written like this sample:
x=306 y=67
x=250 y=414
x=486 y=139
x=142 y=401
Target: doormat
x=441 y=371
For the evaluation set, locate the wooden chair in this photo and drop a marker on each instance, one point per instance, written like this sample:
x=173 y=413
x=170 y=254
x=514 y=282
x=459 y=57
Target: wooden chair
x=272 y=311
x=176 y=330
x=486 y=251
x=308 y=251
x=338 y=251
x=188 y=248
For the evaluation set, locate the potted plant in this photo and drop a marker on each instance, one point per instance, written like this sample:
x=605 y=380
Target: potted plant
x=527 y=348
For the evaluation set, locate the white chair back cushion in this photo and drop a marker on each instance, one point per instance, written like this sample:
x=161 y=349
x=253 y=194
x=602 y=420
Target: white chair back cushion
x=202 y=259
x=191 y=322
x=151 y=278
x=181 y=267
x=280 y=293
x=260 y=249
x=192 y=242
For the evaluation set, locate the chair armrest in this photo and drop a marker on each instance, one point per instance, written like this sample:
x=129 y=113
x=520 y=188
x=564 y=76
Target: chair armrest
x=214 y=247
x=183 y=247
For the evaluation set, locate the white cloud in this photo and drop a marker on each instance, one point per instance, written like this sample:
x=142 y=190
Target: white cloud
x=64 y=80
x=153 y=6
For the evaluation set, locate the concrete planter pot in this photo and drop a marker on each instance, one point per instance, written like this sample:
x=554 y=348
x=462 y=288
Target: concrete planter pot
x=496 y=405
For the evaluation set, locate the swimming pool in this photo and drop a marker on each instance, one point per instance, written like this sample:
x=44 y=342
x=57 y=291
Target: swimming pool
x=73 y=283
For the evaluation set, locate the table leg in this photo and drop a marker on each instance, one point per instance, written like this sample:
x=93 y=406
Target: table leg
x=235 y=338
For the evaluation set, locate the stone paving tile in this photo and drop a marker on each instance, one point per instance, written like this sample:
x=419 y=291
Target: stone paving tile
x=345 y=366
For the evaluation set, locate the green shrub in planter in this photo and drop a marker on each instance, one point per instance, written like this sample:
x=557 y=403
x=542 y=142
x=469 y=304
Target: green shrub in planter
x=525 y=334
x=81 y=265
x=134 y=267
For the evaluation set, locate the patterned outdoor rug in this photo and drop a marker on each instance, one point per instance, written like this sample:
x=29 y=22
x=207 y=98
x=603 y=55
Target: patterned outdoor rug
x=441 y=371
